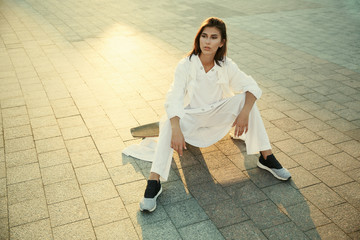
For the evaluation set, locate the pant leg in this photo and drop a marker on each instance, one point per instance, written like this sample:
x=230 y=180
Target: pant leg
x=163 y=154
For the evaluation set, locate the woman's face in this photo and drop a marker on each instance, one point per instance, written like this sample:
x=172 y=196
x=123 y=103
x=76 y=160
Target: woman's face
x=210 y=41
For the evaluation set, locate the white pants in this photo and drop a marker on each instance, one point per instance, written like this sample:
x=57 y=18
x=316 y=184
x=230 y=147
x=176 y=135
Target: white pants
x=202 y=128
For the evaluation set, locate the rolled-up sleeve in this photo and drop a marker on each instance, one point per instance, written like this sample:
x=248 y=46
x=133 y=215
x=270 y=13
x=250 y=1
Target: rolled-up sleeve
x=174 y=105
x=241 y=82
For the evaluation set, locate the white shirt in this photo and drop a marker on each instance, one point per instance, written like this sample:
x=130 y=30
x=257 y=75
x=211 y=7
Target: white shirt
x=208 y=91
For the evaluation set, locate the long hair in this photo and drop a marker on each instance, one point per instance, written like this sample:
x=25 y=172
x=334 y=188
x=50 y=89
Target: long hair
x=220 y=25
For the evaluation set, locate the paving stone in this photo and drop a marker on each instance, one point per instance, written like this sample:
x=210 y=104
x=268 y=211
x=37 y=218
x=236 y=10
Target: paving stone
x=4 y=229
x=186 y=160
x=14 y=111
x=298 y=114
x=92 y=173
x=202 y=230
x=276 y=134
x=322 y=147
x=244 y=230
x=57 y=173
x=79 y=144
x=27 y=211
x=284 y=231
x=85 y=158
x=354 y=174
x=98 y=191
x=62 y=191
x=137 y=191
x=333 y=136
x=350 y=193
x=302 y=178
x=244 y=162
x=57 y=157
x=345 y=216
x=16 y=121
x=321 y=196
x=158 y=230
x=107 y=211
x=67 y=212
x=126 y=173
x=265 y=214
x=19 y=144
x=3 y=189
x=3 y=207
x=228 y=175
x=77 y=230
x=40 y=112
x=75 y=132
x=225 y=213
x=331 y=176
x=46 y=132
x=342 y=125
x=306 y=216
x=310 y=160
x=20 y=158
x=69 y=122
x=43 y=121
x=351 y=147
x=109 y=144
x=291 y=147
x=49 y=144
x=105 y=132
x=66 y=111
x=185 y=213
x=283 y=194
x=173 y=192
x=208 y=193
x=34 y=230
x=25 y=191
x=117 y=230
x=17 y=132
x=23 y=173
x=261 y=178
x=330 y=231
x=140 y=219
x=303 y=135
x=245 y=193
x=193 y=175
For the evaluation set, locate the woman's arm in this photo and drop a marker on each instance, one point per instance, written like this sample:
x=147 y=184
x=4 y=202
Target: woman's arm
x=242 y=120
x=177 y=138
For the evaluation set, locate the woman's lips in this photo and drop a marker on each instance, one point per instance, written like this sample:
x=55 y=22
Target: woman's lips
x=207 y=48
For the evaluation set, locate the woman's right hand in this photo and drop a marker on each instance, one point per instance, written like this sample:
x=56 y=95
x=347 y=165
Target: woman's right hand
x=177 y=138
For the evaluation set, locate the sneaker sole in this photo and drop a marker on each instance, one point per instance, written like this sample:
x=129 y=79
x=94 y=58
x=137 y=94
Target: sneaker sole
x=153 y=209
x=271 y=171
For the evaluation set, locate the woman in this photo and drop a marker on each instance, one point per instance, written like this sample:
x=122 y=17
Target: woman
x=202 y=107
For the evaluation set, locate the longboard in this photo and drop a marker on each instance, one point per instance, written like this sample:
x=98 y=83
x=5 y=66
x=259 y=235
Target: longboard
x=147 y=130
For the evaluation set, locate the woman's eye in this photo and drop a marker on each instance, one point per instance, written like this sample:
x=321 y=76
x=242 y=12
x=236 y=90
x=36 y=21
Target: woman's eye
x=214 y=37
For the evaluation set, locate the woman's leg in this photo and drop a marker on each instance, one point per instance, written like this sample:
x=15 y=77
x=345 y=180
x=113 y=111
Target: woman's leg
x=163 y=154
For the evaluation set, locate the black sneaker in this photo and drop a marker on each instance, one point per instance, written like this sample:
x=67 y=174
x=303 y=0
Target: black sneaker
x=152 y=191
x=272 y=165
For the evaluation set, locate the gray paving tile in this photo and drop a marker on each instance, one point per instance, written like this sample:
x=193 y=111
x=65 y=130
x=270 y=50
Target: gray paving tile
x=34 y=230
x=327 y=231
x=265 y=214
x=321 y=196
x=126 y=173
x=185 y=213
x=245 y=193
x=158 y=230
x=345 y=216
x=243 y=231
x=331 y=176
x=23 y=173
x=4 y=229
x=21 y=158
x=350 y=193
x=284 y=194
x=24 y=191
x=98 y=191
x=117 y=231
x=208 y=193
x=225 y=213
x=202 y=230
x=92 y=173
x=77 y=230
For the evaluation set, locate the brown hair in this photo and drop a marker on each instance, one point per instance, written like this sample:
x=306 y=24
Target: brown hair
x=220 y=25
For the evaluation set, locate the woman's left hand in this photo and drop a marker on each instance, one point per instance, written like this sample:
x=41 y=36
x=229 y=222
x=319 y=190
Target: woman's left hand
x=241 y=123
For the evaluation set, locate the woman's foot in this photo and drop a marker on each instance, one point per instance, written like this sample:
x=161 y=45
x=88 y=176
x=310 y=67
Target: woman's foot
x=152 y=192
x=271 y=164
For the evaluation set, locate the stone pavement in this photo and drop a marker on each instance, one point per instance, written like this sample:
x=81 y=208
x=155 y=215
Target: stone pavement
x=76 y=75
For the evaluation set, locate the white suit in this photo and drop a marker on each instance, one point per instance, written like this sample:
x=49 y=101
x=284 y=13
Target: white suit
x=207 y=106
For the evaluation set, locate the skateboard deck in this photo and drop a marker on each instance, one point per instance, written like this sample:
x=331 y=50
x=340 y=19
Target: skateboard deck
x=147 y=130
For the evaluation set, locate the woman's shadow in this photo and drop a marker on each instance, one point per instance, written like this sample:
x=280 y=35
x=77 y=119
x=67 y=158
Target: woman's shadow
x=222 y=183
